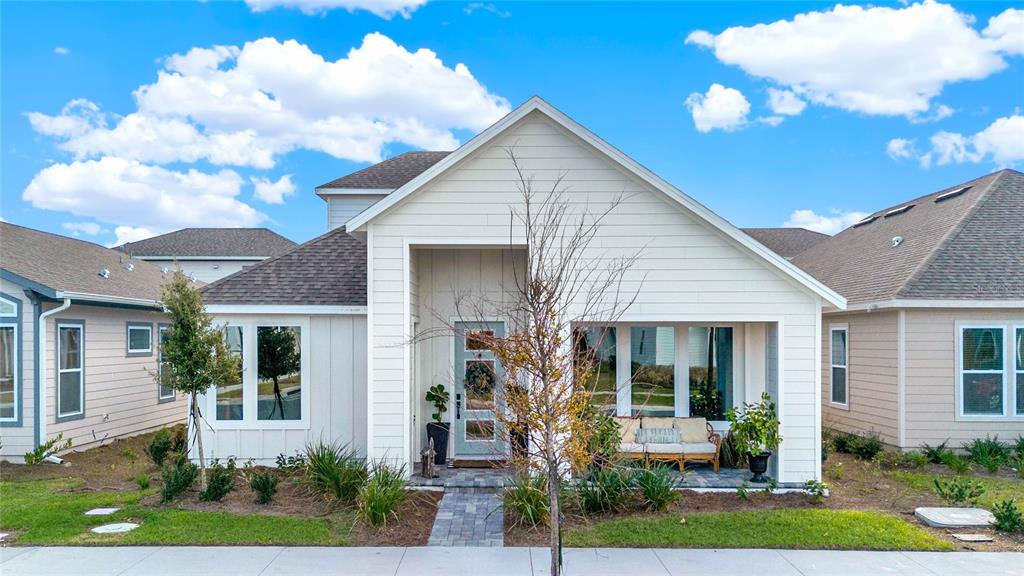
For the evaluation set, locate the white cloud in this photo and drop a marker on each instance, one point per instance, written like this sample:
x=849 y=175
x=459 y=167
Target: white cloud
x=273 y=192
x=474 y=6
x=772 y=121
x=76 y=228
x=785 y=102
x=939 y=112
x=872 y=60
x=900 y=149
x=719 y=108
x=122 y=191
x=835 y=222
x=247 y=106
x=1001 y=143
x=129 y=234
x=61 y=51
x=384 y=8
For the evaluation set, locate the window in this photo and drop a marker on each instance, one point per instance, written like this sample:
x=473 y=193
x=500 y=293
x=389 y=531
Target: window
x=10 y=375
x=165 y=393
x=653 y=358
x=229 y=392
x=140 y=339
x=711 y=375
x=982 y=376
x=70 y=370
x=1019 y=347
x=597 y=344
x=279 y=363
x=839 y=353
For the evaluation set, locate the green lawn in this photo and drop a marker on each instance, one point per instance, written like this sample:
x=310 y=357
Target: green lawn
x=802 y=528
x=996 y=489
x=46 y=512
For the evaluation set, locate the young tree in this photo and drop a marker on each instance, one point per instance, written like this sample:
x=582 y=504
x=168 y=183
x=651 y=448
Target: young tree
x=196 y=355
x=278 y=356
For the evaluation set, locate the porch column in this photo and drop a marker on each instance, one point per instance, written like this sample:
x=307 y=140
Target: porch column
x=623 y=372
x=682 y=372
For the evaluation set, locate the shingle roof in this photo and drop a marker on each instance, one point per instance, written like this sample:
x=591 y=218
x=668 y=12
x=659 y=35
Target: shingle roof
x=391 y=174
x=786 y=242
x=208 y=242
x=967 y=246
x=329 y=270
x=68 y=265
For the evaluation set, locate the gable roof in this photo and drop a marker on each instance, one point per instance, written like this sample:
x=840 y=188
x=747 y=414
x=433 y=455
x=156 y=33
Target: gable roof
x=329 y=270
x=965 y=242
x=786 y=242
x=57 y=267
x=391 y=173
x=210 y=243
x=538 y=105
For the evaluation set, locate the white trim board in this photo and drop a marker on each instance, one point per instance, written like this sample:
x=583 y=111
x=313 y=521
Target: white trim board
x=537 y=104
x=353 y=191
x=901 y=303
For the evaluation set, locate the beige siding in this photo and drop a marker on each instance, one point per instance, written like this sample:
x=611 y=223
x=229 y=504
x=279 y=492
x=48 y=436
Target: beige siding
x=872 y=375
x=932 y=378
x=205 y=270
x=343 y=207
x=120 y=392
x=17 y=440
x=689 y=272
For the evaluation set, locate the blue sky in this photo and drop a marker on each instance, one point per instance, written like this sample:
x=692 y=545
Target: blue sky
x=240 y=135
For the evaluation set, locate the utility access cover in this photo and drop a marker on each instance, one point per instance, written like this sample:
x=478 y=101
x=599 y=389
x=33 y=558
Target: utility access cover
x=116 y=528
x=955 y=517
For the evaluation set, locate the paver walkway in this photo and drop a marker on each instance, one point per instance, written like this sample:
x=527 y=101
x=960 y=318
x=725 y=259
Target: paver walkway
x=469 y=517
x=323 y=561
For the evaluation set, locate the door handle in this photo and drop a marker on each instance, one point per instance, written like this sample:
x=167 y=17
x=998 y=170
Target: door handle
x=458 y=406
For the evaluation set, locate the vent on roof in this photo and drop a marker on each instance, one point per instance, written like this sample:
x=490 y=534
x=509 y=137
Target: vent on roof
x=104 y=273
x=951 y=194
x=865 y=220
x=896 y=241
x=899 y=210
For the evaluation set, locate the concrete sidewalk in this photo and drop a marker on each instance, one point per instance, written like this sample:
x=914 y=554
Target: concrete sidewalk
x=281 y=561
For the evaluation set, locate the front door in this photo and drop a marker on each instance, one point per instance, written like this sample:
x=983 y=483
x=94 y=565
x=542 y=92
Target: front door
x=478 y=376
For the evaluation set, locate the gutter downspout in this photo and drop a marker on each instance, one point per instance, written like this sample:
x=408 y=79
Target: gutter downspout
x=41 y=362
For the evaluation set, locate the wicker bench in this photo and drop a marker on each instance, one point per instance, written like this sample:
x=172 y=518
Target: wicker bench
x=697 y=441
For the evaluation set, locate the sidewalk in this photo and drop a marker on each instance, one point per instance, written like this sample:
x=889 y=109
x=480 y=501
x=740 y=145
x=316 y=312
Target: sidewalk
x=276 y=560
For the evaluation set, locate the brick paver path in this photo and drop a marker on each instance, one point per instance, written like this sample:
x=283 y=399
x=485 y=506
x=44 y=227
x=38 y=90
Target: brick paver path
x=469 y=517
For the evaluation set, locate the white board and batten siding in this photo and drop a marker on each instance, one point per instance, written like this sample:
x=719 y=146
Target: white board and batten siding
x=343 y=207
x=205 y=270
x=691 y=272
x=19 y=439
x=334 y=378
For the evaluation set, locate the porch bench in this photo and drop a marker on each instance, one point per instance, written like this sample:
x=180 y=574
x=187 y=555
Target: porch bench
x=694 y=440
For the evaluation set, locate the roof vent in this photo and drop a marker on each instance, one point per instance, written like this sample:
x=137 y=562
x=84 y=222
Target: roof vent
x=128 y=266
x=951 y=194
x=896 y=241
x=104 y=273
x=866 y=220
x=164 y=269
x=899 y=210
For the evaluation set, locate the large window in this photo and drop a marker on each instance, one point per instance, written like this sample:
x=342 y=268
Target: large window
x=653 y=367
x=711 y=371
x=983 y=371
x=229 y=392
x=165 y=393
x=597 y=344
x=70 y=370
x=140 y=339
x=279 y=364
x=1019 y=348
x=839 y=357
x=10 y=376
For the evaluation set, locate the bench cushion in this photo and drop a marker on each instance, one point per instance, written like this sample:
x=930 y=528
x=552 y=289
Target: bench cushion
x=674 y=448
x=627 y=429
x=699 y=448
x=684 y=448
x=692 y=430
x=631 y=448
x=657 y=421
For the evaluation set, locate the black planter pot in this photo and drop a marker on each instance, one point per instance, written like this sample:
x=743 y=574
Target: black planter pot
x=759 y=465
x=439 y=434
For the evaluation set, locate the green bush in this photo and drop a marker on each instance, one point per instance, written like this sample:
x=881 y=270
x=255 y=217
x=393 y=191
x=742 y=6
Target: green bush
x=605 y=436
x=382 y=494
x=956 y=463
x=527 y=500
x=866 y=447
x=990 y=453
x=335 y=471
x=291 y=464
x=841 y=442
x=959 y=490
x=816 y=490
x=936 y=454
x=656 y=486
x=1008 y=517
x=142 y=480
x=744 y=491
x=220 y=481
x=603 y=490
x=160 y=446
x=178 y=476
x=40 y=453
x=916 y=459
x=1018 y=446
x=264 y=484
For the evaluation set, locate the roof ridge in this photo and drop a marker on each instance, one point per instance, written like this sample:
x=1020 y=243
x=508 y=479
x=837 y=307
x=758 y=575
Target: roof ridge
x=998 y=174
x=953 y=231
x=64 y=237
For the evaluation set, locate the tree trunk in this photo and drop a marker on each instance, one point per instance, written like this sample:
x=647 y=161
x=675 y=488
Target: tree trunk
x=199 y=442
x=555 y=515
x=279 y=398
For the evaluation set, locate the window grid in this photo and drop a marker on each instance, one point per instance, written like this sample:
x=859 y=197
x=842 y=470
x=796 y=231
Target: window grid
x=964 y=371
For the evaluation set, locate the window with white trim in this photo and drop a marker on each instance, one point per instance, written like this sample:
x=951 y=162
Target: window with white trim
x=1019 y=369
x=279 y=368
x=10 y=378
x=228 y=393
x=70 y=370
x=982 y=370
x=839 y=360
x=140 y=339
x=166 y=392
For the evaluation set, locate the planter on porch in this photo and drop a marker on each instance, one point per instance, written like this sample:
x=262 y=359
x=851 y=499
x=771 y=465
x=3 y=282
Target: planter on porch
x=438 y=432
x=759 y=465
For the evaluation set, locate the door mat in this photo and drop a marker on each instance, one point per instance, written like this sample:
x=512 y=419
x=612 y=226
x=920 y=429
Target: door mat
x=478 y=463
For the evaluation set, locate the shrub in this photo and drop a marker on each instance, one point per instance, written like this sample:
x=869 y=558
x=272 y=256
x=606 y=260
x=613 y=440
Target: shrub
x=382 y=494
x=178 y=476
x=291 y=464
x=744 y=490
x=1020 y=466
x=130 y=455
x=656 y=487
x=142 y=480
x=605 y=436
x=816 y=490
x=264 y=484
x=1008 y=517
x=755 y=426
x=915 y=459
x=40 y=453
x=835 y=471
x=889 y=459
x=527 y=499
x=866 y=447
x=603 y=490
x=841 y=442
x=1018 y=446
x=959 y=490
x=335 y=471
x=160 y=446
x=936 y=454
x=221 y=480
x=179 y=440
x=990 y=453
x=772 y=486
x=956 y=463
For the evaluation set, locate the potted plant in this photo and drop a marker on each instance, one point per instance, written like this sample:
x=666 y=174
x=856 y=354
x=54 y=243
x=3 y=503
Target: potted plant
x=438 y=430
x=756 y=430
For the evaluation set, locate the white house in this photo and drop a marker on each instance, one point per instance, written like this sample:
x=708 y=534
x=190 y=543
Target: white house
x=439 y=225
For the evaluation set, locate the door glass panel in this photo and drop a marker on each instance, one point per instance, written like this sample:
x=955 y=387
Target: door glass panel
x=480 y=385
x=7 y=372
x=229 y=392
x=479 y=430
x=279 y=359
x=653 y=357
x=478 y=339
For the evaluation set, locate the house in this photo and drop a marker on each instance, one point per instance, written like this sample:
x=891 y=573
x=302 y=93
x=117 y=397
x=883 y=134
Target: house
x=412 y=233
x=931 y=345
x=207 y=254
x=786 y=242
x=79 y=332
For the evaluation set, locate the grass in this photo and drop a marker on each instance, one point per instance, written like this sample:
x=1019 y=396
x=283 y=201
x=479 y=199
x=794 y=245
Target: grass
x=50 y=512
x=996 y=489
x=801 y=528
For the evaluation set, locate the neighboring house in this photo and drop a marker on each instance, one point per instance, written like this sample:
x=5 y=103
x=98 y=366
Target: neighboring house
x=357 y=302
x=208 y=254
x=931 y=346
x=79 y=332
x=786 y=242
